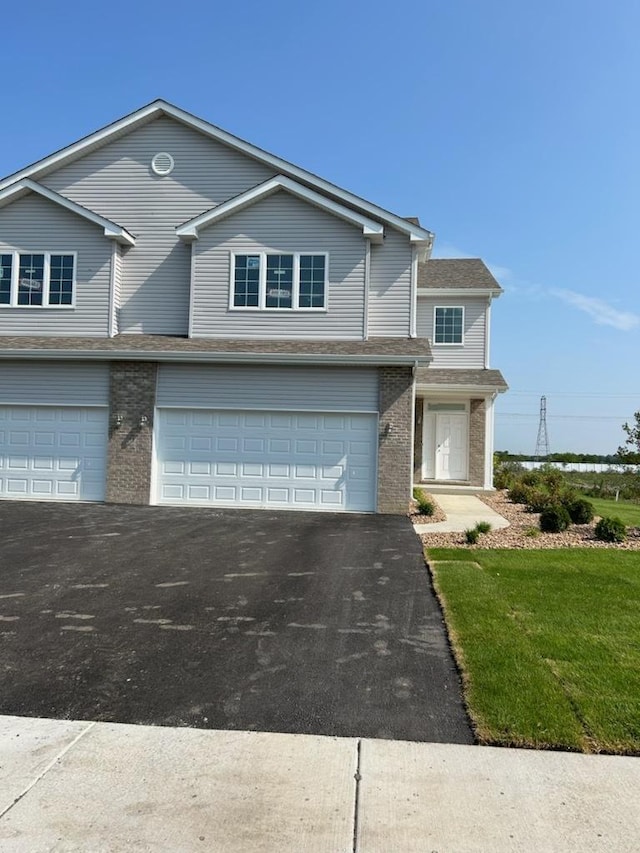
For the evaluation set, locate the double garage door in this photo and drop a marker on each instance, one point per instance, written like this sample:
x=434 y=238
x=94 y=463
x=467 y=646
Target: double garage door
x=296 y=438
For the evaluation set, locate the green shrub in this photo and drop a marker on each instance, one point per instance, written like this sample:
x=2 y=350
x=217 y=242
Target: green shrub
x=532 y=532
x=553 y=479
x=425 y=506
x=580 y=511
x=538 y=499
x=611 y=529
x=471 y=535
x=531 y=478
x=554 y=519
x=506 y=473
x=518 y=493
x=483 y=527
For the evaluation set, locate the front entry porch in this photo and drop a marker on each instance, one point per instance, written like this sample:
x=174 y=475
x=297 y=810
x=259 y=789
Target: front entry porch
x=453 y=442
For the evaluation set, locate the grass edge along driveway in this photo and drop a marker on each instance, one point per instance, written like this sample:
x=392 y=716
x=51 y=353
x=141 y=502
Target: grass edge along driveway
x=548 y=643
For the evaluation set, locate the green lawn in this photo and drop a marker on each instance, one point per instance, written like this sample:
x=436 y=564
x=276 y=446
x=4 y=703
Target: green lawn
x=628 y=512
x=548 y=643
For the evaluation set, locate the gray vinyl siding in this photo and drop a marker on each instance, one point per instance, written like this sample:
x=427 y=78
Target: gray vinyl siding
x=39 y=383
x=279 y=223
x=116 y=181
x=35 y=224
x=468 y=355
x=390 y=286
x=268 y=387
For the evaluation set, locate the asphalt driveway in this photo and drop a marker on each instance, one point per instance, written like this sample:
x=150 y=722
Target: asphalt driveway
x=272 y=621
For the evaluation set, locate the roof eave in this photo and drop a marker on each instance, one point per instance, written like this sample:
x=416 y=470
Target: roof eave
x=383 y=360
x=161 y=107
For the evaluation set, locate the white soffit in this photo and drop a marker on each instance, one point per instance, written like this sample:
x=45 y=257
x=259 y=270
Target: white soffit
x=190 y=230
x=20 y=188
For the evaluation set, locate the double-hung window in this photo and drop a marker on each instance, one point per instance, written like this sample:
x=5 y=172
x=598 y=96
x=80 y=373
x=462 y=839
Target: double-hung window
x=37 y=279
x=285 y=282
x=448 y=325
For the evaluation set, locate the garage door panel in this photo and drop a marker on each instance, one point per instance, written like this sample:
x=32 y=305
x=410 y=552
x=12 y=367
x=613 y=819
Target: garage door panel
x=64 y=461
x=296 y=460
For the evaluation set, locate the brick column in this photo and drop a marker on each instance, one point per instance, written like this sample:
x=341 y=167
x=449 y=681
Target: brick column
x=417 y=440
x=394 y=439
x=132 y=400
x=477 y=423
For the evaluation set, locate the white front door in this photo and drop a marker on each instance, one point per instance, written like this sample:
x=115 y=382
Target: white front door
x=451 y=446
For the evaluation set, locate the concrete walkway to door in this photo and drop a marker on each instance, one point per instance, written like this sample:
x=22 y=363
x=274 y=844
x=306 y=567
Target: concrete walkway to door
x=463 y=512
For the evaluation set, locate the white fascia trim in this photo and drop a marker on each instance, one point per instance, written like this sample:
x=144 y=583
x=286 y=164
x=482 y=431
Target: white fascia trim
x=460 y=389
x=190 y=230
x=160 y=107
x=111 y=230
x=437 y=292
x=221 y=357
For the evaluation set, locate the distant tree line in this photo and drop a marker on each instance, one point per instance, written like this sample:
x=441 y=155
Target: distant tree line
x=611 y=459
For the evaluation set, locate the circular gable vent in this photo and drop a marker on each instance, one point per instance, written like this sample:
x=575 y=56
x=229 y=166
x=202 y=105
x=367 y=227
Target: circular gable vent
x=162 y=163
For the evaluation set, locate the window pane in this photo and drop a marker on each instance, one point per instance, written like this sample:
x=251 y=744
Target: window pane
x=6 y=265
x=279 y=281
x=312 y=276
x=448 y=326
x=246 y=281
x=30 y=279
x=61 y=280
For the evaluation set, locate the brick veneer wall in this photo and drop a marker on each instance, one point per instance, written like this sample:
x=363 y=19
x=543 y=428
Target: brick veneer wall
x=132 y=396
x=394 y=439
x=417 y=440
x=476 y=442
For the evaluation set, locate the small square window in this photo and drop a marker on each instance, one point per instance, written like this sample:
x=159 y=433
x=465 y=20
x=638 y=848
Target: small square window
x=448 y=325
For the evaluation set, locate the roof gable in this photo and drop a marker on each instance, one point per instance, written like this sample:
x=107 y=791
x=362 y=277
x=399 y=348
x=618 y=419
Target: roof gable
x=20 y=188
x=190 y=230
x=416 y=234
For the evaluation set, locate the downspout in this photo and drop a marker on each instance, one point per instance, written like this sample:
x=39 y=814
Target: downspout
x=414 y=371
x=367 y=283
x=414 y=292
x=487 y=335
x=112 y=326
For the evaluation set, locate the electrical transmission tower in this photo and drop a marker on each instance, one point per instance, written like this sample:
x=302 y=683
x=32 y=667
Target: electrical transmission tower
x=542 y=441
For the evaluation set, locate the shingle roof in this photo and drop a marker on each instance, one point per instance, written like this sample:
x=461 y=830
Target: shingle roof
x=456 y=273
x=119 y=346
x=467 y=378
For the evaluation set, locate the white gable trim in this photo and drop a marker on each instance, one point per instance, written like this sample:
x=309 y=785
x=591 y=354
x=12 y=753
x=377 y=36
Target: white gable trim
x=20 y=188
x=417 y=235
x=190 y=230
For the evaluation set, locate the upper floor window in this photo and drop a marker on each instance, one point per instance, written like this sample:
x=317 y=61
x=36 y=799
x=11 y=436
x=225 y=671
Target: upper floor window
x=36 y=279
x=448 y=325
x=279 y=281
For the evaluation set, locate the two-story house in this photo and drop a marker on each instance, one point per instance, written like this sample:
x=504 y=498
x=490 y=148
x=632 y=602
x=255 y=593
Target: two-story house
x=187 y=319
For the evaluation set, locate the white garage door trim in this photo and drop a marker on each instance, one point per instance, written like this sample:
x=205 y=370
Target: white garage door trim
x=266 y=475
x=53 y=453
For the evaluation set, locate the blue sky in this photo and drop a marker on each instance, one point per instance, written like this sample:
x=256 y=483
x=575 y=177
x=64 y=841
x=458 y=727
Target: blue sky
x=511 y=129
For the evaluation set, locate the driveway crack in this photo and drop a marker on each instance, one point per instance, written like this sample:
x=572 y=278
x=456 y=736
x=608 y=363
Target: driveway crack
x=356 y=800
x=49 y=766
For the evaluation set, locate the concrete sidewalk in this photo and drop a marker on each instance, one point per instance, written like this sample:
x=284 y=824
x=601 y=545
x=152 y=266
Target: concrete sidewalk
x=77 y=786
x=463 y=512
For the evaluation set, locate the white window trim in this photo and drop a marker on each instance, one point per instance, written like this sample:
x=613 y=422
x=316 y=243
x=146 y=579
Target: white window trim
x=262 y=287
x=452 y=344
x=15 y=272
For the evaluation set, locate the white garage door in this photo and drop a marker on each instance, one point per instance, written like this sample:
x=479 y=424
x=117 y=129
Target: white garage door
x=291 y=460
x=49 y=453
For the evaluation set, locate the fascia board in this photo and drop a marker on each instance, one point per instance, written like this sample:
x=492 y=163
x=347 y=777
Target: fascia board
x=211 y=357
x=190 y=230
x=431 y=292
x=459 y=389
x=161 y=107
x=111 y=229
